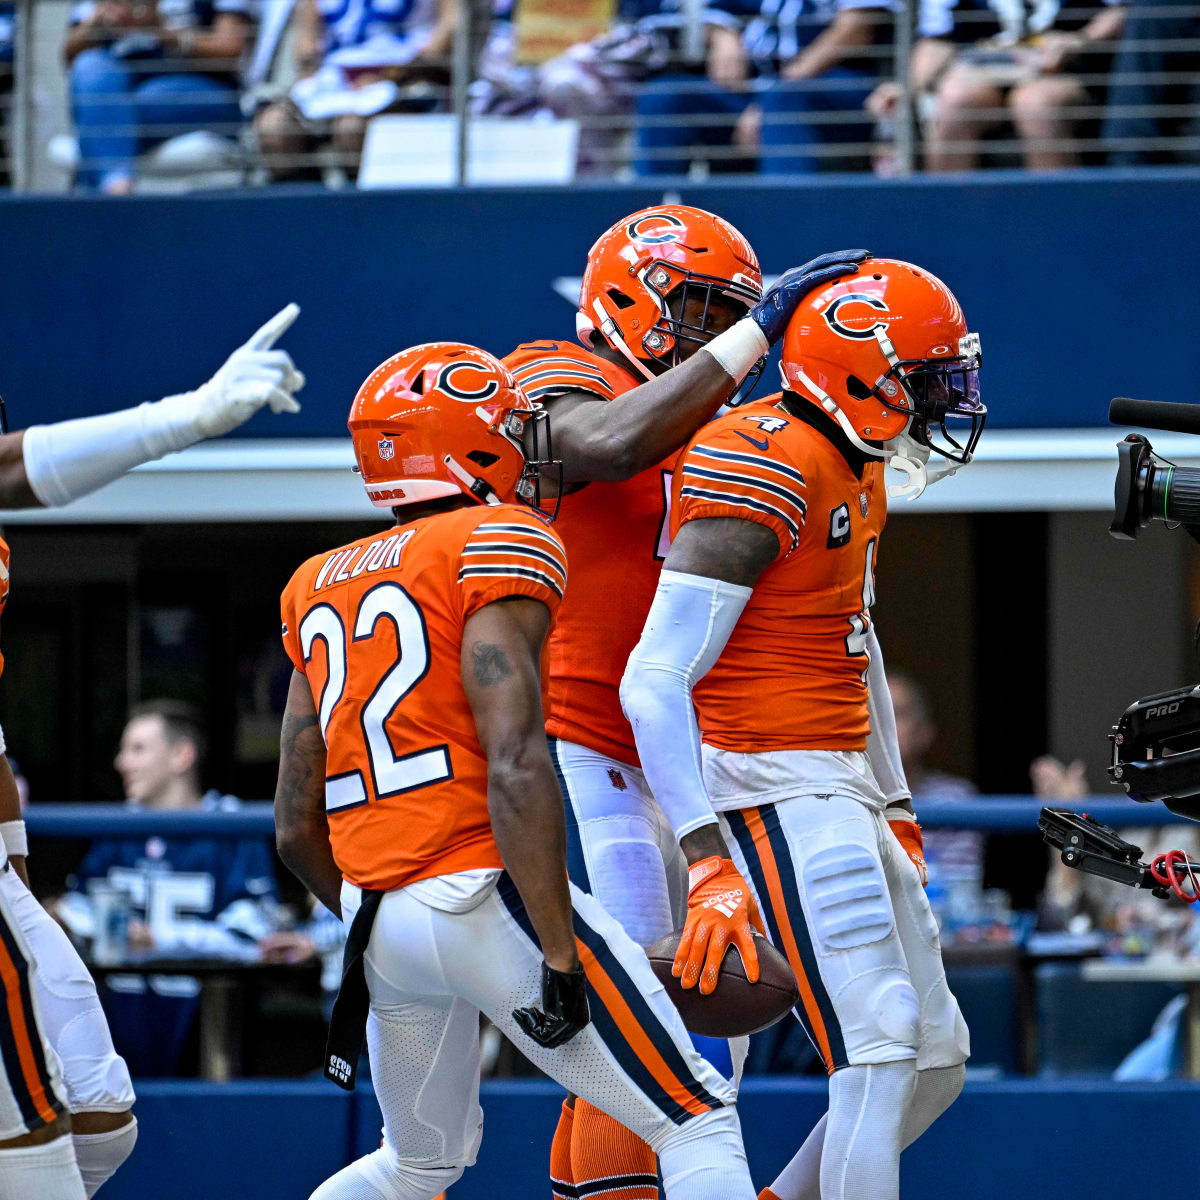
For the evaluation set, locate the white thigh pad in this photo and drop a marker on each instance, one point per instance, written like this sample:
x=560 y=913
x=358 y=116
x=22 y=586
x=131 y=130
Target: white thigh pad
x=847 y=895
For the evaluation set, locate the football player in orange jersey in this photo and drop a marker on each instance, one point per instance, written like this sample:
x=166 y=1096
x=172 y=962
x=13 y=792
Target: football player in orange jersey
x=418 y=800
x=671 y=322
x=51 y=465
x=762 y=618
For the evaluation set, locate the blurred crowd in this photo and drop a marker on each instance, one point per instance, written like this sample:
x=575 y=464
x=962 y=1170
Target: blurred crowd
x=280 y=90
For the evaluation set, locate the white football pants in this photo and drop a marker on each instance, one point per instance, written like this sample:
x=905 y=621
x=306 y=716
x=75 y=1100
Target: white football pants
x=843 y=901
x=97 y=1079
x=31 y=1088
x=620 y=848
x=430 y=973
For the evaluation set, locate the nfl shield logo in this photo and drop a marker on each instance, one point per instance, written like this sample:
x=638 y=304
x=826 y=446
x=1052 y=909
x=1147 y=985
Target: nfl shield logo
x=387 y=449
x=862 y=501
x=617 y=779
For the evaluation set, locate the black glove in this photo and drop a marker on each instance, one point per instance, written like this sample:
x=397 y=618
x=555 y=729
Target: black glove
x=564 y=1010
x=784 y=296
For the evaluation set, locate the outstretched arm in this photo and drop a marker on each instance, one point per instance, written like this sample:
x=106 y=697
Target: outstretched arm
x=301 y=828
x=609 y=440
x=501 y=673
x=52 y=465
x=707 y=579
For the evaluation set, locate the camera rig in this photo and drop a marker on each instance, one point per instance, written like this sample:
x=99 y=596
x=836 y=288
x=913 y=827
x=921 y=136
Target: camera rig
x=1156 y=751
x=1094 y=848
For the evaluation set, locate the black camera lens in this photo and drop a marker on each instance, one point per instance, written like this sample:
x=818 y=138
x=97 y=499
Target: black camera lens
x=1150 y=489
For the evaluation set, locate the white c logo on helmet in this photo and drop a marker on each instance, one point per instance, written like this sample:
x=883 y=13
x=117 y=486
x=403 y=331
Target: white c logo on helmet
x=445 y=382
x=842 y=330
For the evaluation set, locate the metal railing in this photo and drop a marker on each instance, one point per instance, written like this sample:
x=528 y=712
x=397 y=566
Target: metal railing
x=648 y=98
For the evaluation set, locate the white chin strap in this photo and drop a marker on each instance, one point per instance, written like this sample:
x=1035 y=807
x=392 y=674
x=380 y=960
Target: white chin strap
x=468 y=481
x=903 y=453
x=608 y=329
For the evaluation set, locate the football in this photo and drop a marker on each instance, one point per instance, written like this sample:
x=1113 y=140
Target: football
x=736 y=1007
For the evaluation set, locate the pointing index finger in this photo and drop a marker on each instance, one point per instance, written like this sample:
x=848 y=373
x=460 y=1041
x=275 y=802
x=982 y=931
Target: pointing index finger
x=267 y=335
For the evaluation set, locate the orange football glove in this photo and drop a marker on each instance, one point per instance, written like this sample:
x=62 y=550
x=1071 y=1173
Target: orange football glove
x=908 y=834
x=721 y=912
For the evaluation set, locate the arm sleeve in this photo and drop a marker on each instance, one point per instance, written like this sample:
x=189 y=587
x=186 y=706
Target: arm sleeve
x=689 y=623
x=883 y=747
x=512 y=553
x=724 y=476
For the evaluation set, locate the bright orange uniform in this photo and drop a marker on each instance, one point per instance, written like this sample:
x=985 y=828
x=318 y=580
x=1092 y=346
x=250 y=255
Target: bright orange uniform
x=615 y=536
x=791 y=675
x=377 y=628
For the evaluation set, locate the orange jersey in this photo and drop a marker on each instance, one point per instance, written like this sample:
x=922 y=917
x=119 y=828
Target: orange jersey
x=792 y=674
x=377 y=629
x=615 y=534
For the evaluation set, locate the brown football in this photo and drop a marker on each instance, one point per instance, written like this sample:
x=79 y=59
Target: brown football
x=736 y=1007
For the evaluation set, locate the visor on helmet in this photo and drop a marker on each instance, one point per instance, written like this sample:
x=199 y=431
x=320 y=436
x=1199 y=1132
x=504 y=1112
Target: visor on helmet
x=942 y=395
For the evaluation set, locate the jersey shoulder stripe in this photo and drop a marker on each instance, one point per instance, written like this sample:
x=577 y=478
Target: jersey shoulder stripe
x=489 y=529
x=507 y=571
x=515 y=552
x=753 y=503
x=750 y=483
x=516 y=544
x=750 y=460
x=552 y=368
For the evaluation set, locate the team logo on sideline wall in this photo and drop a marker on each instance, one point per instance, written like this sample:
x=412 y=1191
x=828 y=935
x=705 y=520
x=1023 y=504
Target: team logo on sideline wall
x=654 y=229
x=463 y=390
x=387 y=448
x=838 y=323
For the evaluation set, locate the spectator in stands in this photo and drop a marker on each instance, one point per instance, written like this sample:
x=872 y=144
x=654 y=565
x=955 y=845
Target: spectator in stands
x=958 y=852
x=992 y=65
x=142 y=72
x=356 y=60
x=1157 y=66
x=792 y=83
x=212 y=897
x=7 y=29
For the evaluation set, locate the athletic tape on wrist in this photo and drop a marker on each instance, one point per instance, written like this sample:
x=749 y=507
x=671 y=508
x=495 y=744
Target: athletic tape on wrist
x=12 y=834
x=739 y=348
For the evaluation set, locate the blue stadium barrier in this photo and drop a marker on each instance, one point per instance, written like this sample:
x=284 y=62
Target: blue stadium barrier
x=277 y=1141
x=1031 y=257
x=1010 y=814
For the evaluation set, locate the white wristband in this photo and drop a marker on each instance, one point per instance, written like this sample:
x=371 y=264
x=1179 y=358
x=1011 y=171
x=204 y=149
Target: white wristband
x=739 y=348
x=16 y=844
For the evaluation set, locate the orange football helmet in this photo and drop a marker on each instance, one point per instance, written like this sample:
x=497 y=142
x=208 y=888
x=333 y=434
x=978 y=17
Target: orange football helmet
x=444 y=419
x=643 y=270
x=887 y=354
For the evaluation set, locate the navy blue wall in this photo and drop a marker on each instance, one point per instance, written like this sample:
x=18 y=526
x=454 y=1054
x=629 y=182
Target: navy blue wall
x=1082 y=288
x=1001 y=1140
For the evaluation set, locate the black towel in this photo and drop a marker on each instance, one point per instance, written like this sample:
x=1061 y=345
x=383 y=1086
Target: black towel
x=348 y=1021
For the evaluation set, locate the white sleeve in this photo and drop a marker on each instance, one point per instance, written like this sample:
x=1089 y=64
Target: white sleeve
x=687 y=628
x=883 y=747
x=72 y=458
